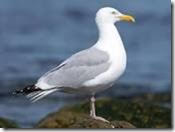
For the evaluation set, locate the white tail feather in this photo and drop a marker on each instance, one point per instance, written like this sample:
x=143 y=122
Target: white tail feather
x=32 y=94
x=40 y=94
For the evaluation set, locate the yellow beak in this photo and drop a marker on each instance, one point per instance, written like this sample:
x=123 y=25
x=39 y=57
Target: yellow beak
x=127 y=18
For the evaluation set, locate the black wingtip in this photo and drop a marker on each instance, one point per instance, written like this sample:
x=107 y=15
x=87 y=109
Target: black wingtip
x=27 y=90
x=20 y=91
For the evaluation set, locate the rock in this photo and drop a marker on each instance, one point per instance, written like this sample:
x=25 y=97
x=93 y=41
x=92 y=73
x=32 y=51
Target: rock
x=5 y=123
x=68 y=119
x=122 y=124
x=121 y=113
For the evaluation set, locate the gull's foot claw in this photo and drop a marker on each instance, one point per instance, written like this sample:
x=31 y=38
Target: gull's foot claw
x=102 y=119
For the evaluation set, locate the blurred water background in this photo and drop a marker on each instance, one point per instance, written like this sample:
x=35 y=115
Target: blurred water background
x=35 y=36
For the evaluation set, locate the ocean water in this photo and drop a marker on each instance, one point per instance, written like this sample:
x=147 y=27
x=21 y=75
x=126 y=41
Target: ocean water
x=35 y=36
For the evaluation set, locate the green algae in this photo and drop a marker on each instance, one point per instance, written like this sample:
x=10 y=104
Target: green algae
x=135 y=113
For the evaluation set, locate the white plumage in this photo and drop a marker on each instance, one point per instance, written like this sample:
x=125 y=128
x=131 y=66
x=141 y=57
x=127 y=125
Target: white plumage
x=91 y=70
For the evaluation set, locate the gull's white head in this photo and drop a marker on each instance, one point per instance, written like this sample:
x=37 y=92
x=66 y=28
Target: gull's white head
x=111 y=15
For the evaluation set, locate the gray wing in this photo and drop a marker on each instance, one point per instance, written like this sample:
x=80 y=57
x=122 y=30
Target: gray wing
x=79 y=68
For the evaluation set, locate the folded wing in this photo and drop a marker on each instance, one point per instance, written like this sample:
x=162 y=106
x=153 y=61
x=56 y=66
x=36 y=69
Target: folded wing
x=76 y=70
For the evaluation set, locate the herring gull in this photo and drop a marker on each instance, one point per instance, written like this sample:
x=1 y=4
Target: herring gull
x=91 y=70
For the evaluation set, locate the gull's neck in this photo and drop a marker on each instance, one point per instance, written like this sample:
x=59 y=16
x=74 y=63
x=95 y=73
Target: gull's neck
x=108 y=36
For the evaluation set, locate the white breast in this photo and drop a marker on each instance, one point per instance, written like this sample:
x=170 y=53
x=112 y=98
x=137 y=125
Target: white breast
x=118 y=64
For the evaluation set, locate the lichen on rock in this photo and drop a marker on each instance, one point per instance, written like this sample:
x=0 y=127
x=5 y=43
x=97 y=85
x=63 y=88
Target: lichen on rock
x=68 y=119
x=121 y=113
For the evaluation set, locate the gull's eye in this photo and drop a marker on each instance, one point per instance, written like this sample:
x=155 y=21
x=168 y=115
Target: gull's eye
x=113 y=12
